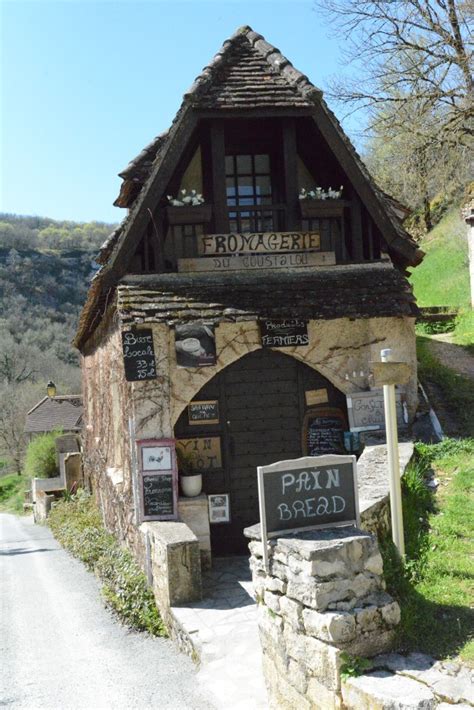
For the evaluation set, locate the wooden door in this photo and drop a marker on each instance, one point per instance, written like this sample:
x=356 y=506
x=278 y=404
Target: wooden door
x=262 y=406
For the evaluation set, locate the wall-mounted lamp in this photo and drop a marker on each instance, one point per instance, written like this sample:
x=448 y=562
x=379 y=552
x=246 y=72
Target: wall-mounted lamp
x=51 y=389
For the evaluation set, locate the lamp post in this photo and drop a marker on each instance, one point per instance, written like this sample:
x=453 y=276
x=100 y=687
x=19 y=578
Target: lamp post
x=51 y=389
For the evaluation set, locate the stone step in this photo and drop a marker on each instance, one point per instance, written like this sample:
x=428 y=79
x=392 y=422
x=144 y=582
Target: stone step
x=383 y=690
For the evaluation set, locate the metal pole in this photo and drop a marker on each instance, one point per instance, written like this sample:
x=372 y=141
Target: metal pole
x=393 y=460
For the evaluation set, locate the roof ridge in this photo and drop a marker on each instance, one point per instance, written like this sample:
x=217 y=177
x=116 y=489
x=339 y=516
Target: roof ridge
x=274 y=58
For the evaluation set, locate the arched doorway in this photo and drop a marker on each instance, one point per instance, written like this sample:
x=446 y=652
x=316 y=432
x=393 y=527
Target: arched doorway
x=262 y=402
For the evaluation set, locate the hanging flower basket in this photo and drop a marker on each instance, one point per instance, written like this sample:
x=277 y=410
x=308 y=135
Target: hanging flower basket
x=189 y=214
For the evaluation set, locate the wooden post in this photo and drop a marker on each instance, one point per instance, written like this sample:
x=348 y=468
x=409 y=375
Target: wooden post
x=393 y=460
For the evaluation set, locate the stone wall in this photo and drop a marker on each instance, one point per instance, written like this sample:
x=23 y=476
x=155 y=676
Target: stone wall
x=323 y=594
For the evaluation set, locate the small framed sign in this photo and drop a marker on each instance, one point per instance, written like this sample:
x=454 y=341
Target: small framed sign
x=204 y=452
x=206 y=412
x=156 y=458
x=219 y=508
x=158 y=479
x=366 y=410
x=195 y=345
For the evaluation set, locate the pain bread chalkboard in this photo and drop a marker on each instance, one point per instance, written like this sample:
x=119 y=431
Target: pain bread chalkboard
x=138 y=355
x=323 y=431
x=306 y=493
x=158 y=479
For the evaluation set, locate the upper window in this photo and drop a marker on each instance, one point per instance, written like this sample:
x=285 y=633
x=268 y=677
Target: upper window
x=248 y=184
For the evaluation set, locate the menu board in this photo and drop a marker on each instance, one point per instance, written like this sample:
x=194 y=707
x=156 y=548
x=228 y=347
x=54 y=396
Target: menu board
x=138 y=355
x=158 y=479
x=323 y=431
x=158 y=498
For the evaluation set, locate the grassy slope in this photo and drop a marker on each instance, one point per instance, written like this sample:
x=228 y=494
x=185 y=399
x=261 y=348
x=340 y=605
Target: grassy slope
x=443 y=277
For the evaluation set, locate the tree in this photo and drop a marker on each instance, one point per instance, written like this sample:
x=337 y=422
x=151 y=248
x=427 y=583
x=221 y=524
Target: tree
x=408 y=54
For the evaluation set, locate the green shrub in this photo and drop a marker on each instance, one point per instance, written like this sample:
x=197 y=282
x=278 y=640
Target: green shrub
x=40 y=460
x=77 y=524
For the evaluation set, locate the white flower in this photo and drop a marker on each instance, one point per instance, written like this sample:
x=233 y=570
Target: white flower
x=183 y=192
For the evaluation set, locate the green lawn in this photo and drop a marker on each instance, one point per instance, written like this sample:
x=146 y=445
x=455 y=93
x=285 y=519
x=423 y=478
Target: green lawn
x=442 y=279
x=435 y=587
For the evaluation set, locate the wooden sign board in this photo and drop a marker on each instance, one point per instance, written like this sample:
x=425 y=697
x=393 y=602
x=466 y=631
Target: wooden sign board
x=250 y=262
x=314 y=397
x=323 y=431
x=138 y=355
x=258 y=243
x=308 y=493
x=204 y=452
x=290 y=332
x=390 y=373
x=366 y=411
x=158 y=477
x=206 y=412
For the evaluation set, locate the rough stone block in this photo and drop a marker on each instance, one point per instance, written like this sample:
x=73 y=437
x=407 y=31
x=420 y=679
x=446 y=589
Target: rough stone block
x=370 y=644
x=322 y=660
x=272 y=601
x=297 y=676
x=368 y=618
x=321 y=698
x=384 y=691
x=291 y=611
x=273 y=584
x=391 y=614
x=374 y=564
x=330 y=626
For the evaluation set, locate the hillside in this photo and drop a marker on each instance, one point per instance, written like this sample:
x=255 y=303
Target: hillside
x=45 y=270
x=443 y=277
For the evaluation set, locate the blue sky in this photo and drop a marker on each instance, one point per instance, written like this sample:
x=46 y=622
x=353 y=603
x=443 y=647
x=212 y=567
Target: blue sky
x=86 y=85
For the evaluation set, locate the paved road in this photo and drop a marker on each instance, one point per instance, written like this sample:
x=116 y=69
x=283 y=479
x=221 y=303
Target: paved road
x=61 y=649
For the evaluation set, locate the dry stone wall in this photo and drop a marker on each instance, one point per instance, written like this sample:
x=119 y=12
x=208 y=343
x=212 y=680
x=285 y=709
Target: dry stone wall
x=323 y=594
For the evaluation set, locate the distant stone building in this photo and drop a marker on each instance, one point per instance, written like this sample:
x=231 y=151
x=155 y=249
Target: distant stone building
x=61 y=412
x=260 y=308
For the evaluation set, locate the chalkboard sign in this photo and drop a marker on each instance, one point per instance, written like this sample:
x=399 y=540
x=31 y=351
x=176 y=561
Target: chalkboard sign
x=158 y=476
x=290 y=332
x=138 y=355
x=158 y=498
x=311 y=492
x=203 y=412
x=323 y=431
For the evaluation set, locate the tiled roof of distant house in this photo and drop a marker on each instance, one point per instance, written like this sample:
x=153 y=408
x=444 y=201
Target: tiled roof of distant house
x=62 y=412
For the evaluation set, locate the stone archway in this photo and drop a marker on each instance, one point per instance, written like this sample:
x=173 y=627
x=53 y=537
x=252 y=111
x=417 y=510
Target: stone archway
x=261 y=409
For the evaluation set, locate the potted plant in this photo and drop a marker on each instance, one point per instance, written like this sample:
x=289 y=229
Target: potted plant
x=189 y=478
x=318 y=203
x=188 y=208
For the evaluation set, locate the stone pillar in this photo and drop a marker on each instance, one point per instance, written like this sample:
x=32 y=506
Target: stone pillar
x=322 y=595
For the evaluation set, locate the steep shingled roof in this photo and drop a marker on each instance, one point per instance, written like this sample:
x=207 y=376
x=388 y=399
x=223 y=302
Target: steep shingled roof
x=246 y=73
x=370 y=290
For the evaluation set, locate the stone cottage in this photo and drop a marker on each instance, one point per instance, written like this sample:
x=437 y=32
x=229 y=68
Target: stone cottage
x=248 y=317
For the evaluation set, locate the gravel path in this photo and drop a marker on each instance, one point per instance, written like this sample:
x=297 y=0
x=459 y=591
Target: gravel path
x=453 y=356
x=61 y=649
